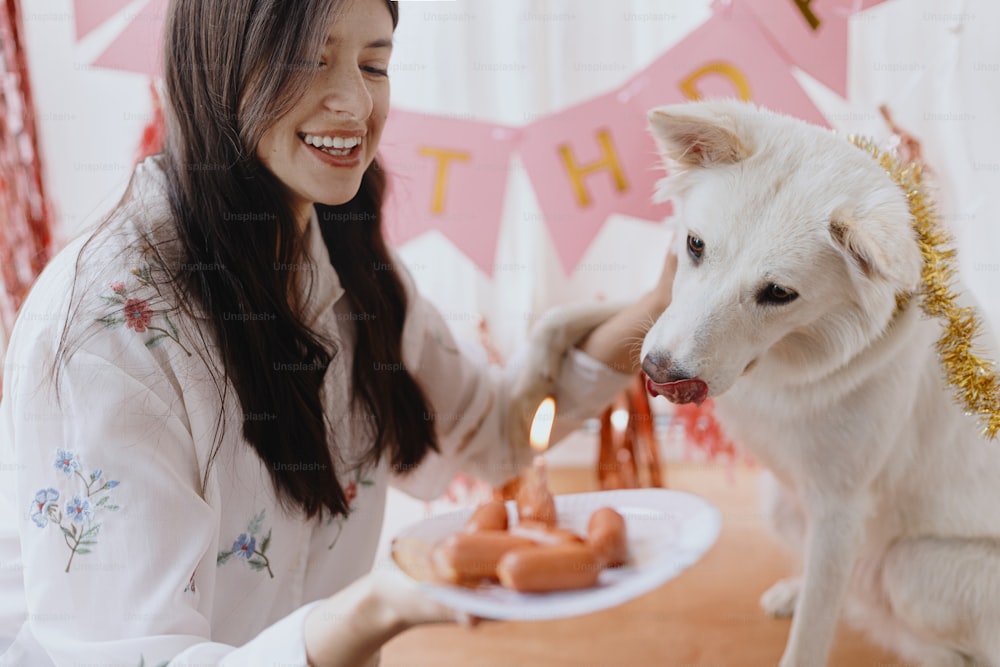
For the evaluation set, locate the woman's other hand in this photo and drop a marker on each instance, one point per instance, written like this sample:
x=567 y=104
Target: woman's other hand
x=349 y=628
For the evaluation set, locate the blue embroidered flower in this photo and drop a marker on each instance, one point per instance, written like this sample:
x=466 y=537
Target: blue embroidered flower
x=79 y=509
x=95 y=475
x=110 y=484
x=244 y=546
x=66 y=461
x=44 y=500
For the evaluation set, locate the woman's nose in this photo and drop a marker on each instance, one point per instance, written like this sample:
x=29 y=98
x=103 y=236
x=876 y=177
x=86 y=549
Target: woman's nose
x=348 y=93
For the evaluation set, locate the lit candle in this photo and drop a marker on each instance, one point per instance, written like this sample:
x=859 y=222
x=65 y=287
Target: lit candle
x=534 y=500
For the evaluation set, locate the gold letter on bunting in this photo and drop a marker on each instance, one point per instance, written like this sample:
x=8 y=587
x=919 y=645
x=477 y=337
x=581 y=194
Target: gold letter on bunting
x=727 y=70
x=441 y=179
x=608 y=161
x=807 y=13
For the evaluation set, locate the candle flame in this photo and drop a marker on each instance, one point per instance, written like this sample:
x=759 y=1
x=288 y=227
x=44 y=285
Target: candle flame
x=541 y=425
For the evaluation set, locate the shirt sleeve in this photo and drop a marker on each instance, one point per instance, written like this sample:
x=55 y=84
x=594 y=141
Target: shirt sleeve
x=469 y=401
x=111 y=514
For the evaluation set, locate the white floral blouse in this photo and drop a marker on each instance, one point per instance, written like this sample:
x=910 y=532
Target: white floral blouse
x=114 y=550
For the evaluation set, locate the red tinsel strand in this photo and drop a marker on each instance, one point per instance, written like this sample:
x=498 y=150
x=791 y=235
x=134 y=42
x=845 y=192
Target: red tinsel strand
x=703 y=432
x=25 y=231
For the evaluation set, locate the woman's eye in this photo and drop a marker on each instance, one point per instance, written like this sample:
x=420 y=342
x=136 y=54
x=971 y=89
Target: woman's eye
x=695 y=247
x=375 y=70
x=776 y=294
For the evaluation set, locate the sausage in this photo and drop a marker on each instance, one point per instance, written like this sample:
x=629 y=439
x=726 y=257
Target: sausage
x=491 y=515
x=466 y=558
x=542 y=533
x=562 y=567
x=606 y=535
x=535 y=503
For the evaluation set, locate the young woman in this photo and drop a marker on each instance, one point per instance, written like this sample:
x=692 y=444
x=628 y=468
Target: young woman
x=206 y=398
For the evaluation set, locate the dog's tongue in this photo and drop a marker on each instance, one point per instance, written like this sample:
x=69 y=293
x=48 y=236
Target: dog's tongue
x=682 y=391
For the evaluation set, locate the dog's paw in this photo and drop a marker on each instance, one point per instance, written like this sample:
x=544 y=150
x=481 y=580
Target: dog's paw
x=554 y=334
x=779 y=600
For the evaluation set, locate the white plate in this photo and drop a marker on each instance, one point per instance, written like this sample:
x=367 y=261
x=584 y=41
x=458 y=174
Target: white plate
x=667 y=532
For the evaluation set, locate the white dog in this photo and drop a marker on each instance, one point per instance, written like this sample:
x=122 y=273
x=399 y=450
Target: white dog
x=795 y=248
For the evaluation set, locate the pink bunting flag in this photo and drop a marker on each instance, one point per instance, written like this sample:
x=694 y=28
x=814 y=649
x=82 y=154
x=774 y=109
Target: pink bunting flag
x=91 y=14
x=586 y=163
x=812 y=34
x=137 y=48
x=449 y=175
x=859 y=5
x=725 y=57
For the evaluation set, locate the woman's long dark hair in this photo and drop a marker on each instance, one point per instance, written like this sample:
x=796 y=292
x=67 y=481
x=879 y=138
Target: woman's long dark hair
x=231 y=68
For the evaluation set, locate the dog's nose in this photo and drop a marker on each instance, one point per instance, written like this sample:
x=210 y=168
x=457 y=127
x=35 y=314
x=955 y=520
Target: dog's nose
x=661 y=368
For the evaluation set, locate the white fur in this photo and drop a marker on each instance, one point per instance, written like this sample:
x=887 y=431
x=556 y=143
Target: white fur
x=890 y=491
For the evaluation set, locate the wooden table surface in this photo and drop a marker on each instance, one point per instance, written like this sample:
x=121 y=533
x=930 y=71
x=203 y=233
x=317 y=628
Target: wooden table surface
x=707 y=617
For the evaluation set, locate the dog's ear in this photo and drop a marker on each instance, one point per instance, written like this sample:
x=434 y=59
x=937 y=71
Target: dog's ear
x=875 y=253
x=697 y=135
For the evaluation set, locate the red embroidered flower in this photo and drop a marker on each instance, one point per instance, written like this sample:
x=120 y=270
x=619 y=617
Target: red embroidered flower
x=351 y=492
x=137 y=314
x=118 y=288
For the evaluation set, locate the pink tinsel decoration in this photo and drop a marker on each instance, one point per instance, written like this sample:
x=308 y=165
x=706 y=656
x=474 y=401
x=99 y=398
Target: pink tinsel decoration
x=155 y=132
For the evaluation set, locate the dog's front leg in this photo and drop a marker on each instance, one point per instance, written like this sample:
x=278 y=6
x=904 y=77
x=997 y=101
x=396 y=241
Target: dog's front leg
x=833 y=538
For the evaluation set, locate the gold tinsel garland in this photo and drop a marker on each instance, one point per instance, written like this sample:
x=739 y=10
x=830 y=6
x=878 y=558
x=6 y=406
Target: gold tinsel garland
x=972 y=377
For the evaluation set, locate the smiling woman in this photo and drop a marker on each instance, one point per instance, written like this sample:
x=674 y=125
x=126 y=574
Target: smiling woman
x=240 y=368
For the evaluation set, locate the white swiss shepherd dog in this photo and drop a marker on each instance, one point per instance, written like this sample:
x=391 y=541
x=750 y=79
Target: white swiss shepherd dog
x=794 y=245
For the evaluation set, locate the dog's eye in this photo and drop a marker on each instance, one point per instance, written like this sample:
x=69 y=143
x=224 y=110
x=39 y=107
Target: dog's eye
x=695 y=247
x=776 y=294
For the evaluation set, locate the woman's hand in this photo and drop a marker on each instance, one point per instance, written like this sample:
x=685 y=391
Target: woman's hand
x=660 y=296
x=405 y=606
x=349 y=628
x=618 y=340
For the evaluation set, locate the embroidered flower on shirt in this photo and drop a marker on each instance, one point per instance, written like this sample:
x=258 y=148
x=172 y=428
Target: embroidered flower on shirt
x=350 y=492
x=245 y=547
x=137 y=314
x=44 y=501
x=79 y=509
x=79 y=532
x=66 y=461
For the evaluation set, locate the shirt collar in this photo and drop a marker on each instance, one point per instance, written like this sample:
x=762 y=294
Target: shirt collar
x=321 y=288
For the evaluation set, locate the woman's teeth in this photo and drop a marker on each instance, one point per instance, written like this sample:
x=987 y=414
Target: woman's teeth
x=332 y=145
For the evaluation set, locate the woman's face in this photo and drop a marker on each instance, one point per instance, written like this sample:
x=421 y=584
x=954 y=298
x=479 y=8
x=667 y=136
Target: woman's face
x=321 y=148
